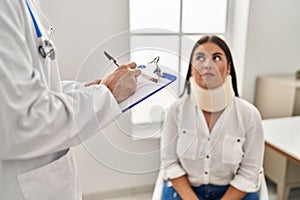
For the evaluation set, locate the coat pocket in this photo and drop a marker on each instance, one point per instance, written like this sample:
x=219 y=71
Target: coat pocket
x=187 y=144
x=56 y=180
x=233 y=150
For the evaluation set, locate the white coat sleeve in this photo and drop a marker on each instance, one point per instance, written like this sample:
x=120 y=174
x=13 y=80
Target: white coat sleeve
x=34 y=120
x=248 y=176
x=169 y=135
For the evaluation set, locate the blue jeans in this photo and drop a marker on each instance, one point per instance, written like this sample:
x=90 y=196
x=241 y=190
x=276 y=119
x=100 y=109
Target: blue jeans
x=204 y=192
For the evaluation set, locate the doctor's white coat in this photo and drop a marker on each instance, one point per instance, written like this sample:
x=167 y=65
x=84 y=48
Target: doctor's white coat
x=40 y=116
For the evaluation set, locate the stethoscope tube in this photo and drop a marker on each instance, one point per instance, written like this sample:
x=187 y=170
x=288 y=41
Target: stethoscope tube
x=36 y=26
x=46 y=48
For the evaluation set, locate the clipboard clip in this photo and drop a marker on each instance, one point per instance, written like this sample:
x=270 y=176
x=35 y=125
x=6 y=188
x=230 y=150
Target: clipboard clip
x=157 y=70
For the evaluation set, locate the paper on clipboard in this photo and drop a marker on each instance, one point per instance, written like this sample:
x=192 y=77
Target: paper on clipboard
x=146 y=88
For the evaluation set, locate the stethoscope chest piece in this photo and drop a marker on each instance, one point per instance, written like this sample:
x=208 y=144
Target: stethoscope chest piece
x=47 y=49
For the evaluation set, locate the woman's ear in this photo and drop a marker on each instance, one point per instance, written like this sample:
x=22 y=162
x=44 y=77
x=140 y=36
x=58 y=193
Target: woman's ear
x=228 y=68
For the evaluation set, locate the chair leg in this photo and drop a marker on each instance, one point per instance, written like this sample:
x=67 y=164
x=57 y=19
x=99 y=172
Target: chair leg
x=283 y=191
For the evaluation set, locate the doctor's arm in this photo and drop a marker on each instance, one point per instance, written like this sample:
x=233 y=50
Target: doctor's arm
x=122 y=81
x=35 y=120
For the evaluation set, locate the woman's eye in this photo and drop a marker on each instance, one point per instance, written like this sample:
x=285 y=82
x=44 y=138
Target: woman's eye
x=216 y=58
x=201 y=58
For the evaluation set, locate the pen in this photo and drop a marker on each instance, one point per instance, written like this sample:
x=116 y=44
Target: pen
x=111 y=58
x=155 y=80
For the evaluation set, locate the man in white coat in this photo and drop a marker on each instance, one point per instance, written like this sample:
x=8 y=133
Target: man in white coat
x=42 y=117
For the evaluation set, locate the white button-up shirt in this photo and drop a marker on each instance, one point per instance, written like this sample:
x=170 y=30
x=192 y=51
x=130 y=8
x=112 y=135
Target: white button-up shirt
x=231 y=153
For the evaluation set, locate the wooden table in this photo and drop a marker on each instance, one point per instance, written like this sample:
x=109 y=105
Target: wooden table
x=282 y=153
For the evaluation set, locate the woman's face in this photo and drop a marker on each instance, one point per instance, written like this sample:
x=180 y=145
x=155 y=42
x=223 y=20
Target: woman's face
x=209 y=66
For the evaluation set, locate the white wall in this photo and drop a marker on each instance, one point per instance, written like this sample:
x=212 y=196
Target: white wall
x=273 y=42
x=80 y=26
x=237 y=36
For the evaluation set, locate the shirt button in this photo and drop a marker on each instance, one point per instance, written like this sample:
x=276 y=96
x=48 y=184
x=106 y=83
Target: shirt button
x=207 y=156
x=238 y=140
x=208 y=139
x=205 y=173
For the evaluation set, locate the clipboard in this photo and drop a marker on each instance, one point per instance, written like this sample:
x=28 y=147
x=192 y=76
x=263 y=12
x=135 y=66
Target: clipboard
x=146 y=88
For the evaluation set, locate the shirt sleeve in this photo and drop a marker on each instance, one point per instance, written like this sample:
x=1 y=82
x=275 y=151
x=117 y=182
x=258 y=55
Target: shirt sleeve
x=34 y=120
x=169 y=159
x=249 y=174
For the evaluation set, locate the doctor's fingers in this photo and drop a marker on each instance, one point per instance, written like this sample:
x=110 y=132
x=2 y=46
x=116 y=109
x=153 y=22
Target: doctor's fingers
x=130 y=65
x=94 y=82
x=128 y=69
x=135 y=72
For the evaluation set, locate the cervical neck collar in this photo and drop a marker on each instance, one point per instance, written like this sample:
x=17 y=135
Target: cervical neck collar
x=212 y=100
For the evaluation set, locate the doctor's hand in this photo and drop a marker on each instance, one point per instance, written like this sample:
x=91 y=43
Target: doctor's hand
x=94 y=82
x=122 y=81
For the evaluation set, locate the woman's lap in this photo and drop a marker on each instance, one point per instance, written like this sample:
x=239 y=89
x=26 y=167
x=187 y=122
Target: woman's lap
x=204 y=192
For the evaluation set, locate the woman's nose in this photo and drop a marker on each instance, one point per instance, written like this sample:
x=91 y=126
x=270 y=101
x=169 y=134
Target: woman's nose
x=207 y=67
x=208 y=64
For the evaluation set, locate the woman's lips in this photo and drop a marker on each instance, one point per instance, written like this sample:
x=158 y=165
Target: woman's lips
x=208 y=74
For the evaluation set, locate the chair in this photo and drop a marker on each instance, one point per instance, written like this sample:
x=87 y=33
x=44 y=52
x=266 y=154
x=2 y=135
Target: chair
x=263 y=191
x=158 y=187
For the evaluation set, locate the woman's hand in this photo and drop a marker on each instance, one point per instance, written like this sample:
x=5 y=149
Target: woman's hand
x=233 y=194
x=183 y=187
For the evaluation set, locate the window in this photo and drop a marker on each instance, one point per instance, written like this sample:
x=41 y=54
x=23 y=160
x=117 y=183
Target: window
x=169 y=29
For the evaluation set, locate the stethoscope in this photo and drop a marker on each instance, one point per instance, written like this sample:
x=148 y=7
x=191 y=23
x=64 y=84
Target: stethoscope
x=46 y=48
